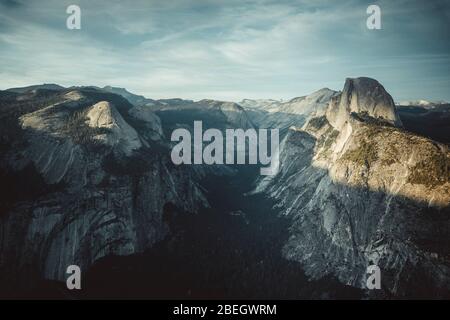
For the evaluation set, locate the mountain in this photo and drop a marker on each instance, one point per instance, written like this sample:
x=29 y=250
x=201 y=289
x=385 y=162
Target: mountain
x=131 y=97
x=362 y=96
x=360 y=190
x=45 y=86
x=213 y=113
x=282 y=115
x=430 y=120
x=422 y=103
x=99 y=176
x=84 y=174
x=261 y=104
x=86 y=178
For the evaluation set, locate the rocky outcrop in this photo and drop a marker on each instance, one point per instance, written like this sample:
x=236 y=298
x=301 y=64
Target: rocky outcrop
x=362 y=95
x=108 y=192
x=360 y=191
x=117 y=132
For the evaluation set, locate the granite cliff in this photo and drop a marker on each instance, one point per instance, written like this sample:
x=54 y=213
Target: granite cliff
x=360 y=190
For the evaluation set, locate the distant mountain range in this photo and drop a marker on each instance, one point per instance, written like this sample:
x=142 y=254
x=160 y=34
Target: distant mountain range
x=423 y=103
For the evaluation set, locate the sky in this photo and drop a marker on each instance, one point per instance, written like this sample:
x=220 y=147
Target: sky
x=228 y=49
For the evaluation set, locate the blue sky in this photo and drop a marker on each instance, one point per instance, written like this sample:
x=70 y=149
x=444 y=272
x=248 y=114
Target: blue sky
x=228 y=49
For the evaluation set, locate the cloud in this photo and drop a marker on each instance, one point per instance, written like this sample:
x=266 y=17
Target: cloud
x=214 y=49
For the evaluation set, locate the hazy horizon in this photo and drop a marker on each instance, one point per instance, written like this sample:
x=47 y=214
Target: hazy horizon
x=206 y=98
x=228 y=50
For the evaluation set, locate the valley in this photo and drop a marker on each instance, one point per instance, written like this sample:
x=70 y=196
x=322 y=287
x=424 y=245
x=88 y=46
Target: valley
x=87 y=179
x=214 y=254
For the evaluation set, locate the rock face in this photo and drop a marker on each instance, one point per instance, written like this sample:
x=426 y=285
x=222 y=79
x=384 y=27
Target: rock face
x=107 y=187
x=360 y=191
x=296 y=112
x=103 y=115
x=362 y=95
